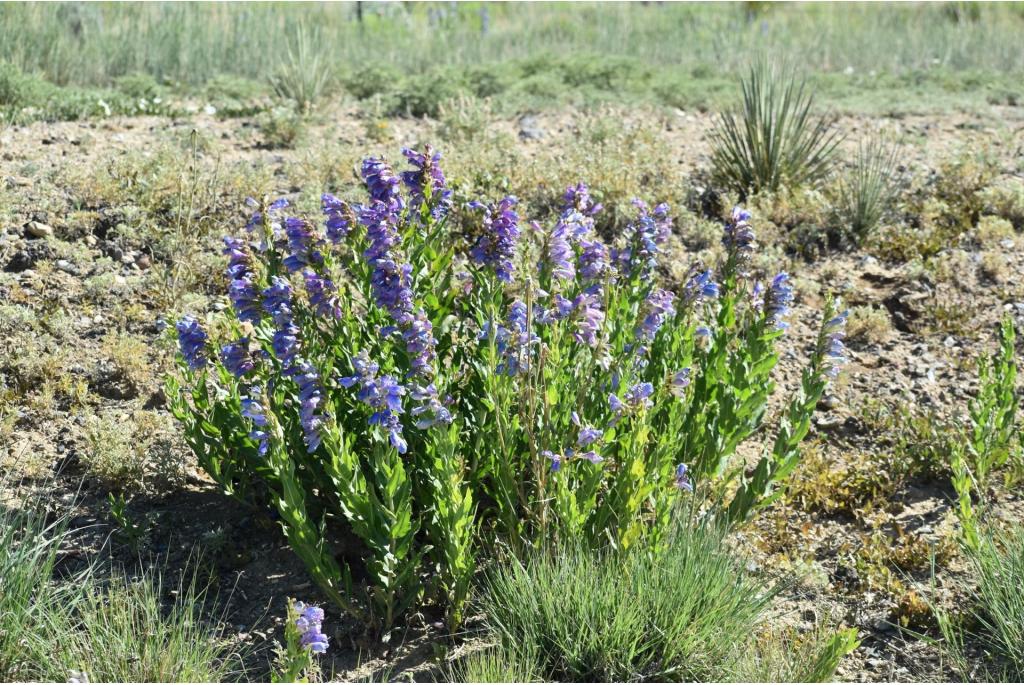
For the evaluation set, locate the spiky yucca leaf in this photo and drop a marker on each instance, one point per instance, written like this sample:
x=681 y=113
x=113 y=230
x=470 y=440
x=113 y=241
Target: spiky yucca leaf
x=774 y=138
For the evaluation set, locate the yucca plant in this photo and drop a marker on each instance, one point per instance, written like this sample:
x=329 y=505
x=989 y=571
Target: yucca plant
x=775 y=138
x=867 y=190
x=305 y=74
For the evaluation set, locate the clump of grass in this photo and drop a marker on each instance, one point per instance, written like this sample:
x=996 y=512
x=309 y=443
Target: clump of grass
x=684 y=613
x=774 y=139
x=992 y=629
x=304 y=74
x=868 y=189
x=281 y=128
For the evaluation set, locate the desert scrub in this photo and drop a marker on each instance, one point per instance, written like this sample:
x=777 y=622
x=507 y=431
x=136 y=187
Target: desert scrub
x=867 y=324
x=389 y=379
x=686 y=612
x=1005 y=200
x=130 y=450
x=774 y=138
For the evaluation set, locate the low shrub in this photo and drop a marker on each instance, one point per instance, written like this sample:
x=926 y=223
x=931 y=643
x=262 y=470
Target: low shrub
x=428 y=393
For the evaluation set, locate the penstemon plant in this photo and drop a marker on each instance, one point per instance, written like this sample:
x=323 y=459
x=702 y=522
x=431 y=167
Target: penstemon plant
x=386 y=380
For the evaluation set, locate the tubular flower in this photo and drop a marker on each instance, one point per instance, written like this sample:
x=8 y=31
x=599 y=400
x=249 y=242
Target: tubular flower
x=277 y=300
x=644 y=237
x=310 y=398
x=683 y=478
x=236 y=357
x=273 y=212
x=238 y=257
x=245 y=299
x=381 y=182
x=427 y=176
x=577 y=197
x=192 y=341
x=700 y=286
x=778 y=300
x=659 y=309
x=254 y=411
x=738 y=236
x=834 y=351
x=429 y=411
x=556 y=460
x=590 y=318
x=560 y=253
x=340 y=218
x=593 y=260
x=518 y=352
x=383 y=395
x=302 y=244
x=309 y=622
x=286 y=343
x=323 y=296
x=679 y=381
x=420 y=344
x=497 y=246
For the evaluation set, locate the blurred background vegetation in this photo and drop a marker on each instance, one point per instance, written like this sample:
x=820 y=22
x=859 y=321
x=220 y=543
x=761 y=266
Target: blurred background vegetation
x=62 y=59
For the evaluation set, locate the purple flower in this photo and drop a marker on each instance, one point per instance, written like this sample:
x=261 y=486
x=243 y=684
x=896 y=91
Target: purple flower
x=192 y=341
x=577 y=198
x=659 y=309
x=644 y=238
x=277 y=300
x=302 y=244
x=383 y=395
x=340 y=218
x=238 y=257
x=683 y=478
x=560 y=253
x=273 y=212
x=738 y=236
x=588 y=435
x=593 y=259
x=420 y=345
x=286 y=343
x=521 y=341
x=426 y=182
x=591 y=456
x=679 y=382
x=834 y=351
x=556 y=459
x=245 y=299
x=381 y=182
x=639 y=395
x=590 y=319
x=778 y=300
x=236 y=357
x=323 y=296
x=702 y=332
x=310 y=398
x=309 y=624
x=497 y=246
x=254 y=411
x=428 y=410
x=700 y=286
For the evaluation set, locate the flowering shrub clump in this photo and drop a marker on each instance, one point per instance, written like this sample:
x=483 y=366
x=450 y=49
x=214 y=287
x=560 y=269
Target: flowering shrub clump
x=383 y=379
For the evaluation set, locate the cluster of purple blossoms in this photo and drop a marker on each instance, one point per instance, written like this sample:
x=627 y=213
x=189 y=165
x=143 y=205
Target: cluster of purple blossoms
x=302 y=244
x=340 y=218
x=590 y=318
x=420 y=345
x=310 y=398
x=594 y=262
x=382 y=182
x=778 y=300
x=192 y=340
x=426 y=175
x=391 y=280
x=561 y=254
x=277 y=300
x=637 y=397
x=644 y=238
x=557 y=459
x=577 y=197
x=518 y=343
x=700 y=286
x=429 y=411
x=242 y=290
x=383 y=394
x=309 y=622
x=254 y=411
x=497 y=246
x=239 y=263
x=236 y=357
x=738 y=236
x=323 y=296
x=683 y=478
x=834 y=351
x=659 y=308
